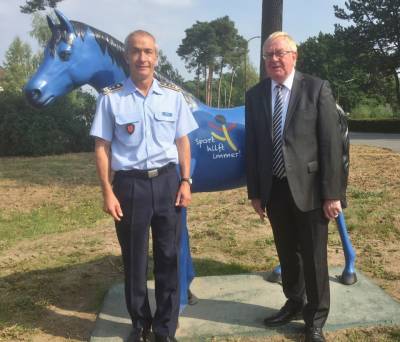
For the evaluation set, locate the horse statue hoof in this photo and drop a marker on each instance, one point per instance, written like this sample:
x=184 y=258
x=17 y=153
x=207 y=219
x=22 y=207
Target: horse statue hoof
x=275 y=275
x=348 y=278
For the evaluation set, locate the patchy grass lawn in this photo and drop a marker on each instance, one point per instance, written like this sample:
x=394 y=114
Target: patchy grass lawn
x=59 y=253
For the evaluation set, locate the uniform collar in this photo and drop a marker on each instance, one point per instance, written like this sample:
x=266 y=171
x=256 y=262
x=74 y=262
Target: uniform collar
x=130 y=87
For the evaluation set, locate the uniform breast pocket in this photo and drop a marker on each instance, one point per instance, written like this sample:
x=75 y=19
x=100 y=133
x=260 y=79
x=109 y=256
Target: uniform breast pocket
x=165 y=126
x=128 y=130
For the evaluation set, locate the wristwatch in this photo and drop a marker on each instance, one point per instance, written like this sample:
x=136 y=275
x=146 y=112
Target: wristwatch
x=189 y=180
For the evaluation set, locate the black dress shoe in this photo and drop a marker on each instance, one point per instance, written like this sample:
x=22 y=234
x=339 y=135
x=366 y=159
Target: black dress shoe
x=290 y=311
x=139 y=335
x=314 y=335
x=161 y=338
x=192 y=299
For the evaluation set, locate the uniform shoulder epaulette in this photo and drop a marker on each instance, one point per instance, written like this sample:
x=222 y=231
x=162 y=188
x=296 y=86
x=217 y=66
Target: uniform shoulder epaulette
x=169 y=86
x=111 y=89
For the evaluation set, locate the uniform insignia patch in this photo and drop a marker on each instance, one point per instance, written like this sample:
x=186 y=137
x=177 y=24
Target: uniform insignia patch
x=130 y=128
x=110 y=89
x=169 y=86
x=167 y=114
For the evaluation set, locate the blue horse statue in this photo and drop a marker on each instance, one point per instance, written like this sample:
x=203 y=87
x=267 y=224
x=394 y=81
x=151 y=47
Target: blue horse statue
x=78 y=54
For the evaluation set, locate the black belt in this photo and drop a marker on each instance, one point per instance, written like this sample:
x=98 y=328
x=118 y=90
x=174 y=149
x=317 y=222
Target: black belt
x=146 y=174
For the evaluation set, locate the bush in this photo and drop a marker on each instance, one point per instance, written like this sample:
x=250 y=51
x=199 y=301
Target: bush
x=60 y=128
x=372 y=108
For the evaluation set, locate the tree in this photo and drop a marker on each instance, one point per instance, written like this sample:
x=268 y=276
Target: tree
x=210 y=46
x=165 y=68
x=328 y=57
x=237 y=86
x=374 y=35
x=32 y=6
x=40 y=29
x=332 y=58
x=232 y=47
x=18 y=66
x=232 y=85
x=199 y=50
x=20 y=62
x=60 y=128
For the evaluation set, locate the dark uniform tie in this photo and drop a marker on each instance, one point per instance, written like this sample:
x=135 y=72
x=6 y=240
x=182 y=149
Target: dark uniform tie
x=278 y=166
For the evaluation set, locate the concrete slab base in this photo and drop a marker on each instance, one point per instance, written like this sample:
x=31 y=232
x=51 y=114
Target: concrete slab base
x=236 y=306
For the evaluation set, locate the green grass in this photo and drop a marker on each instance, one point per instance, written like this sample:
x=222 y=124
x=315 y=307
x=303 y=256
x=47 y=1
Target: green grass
x=66 y=169
x=47 y=219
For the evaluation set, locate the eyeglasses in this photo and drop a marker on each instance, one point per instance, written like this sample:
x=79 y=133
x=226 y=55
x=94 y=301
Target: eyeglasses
x=278 y=54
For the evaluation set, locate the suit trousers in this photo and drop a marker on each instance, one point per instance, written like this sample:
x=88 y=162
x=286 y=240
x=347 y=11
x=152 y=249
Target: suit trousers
x=301 y=242
x=150 y=203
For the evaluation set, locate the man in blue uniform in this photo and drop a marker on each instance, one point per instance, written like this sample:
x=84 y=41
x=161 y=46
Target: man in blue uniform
x=141 y=130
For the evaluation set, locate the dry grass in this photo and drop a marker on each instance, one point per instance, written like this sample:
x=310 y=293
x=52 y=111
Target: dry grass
x=59 y=253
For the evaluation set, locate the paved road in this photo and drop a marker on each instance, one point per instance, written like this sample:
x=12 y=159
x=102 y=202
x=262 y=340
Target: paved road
x=391 y=140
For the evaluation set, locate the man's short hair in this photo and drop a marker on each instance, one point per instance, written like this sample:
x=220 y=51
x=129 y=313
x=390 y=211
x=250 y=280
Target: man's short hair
x=280 y=34
x=139 y=33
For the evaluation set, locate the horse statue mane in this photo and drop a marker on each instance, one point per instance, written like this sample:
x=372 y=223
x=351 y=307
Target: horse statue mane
x=107 y=43
x=65 y=34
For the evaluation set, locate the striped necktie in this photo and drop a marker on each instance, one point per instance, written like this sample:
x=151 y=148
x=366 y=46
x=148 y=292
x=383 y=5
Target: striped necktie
x=278 y=165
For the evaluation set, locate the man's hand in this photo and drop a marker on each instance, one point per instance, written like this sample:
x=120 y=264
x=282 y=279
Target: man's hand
x=184 y=195
x=112 y=207
x=332 y=208
x=256 y=203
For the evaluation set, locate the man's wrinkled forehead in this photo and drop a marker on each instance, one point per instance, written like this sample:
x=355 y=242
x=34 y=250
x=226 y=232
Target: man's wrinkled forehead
x=277 y=44
x=135 y=37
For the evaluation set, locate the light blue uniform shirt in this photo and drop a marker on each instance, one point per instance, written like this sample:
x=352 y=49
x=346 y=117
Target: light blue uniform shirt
x=142 y=130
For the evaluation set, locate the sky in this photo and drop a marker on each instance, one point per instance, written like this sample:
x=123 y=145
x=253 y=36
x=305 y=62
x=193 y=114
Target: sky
x=168 y=19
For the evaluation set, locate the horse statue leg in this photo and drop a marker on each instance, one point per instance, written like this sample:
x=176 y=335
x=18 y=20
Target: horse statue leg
x=186 y=270
x=349 y=276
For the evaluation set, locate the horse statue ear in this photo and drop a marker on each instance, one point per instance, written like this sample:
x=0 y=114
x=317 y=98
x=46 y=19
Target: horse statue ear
x=51 y=23
x=65 y=23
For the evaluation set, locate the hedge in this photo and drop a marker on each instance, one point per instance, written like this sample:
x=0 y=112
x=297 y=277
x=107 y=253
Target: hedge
x=375 y=126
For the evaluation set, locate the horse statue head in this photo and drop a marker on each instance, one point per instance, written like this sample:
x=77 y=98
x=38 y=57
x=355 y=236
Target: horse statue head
x=76 y=54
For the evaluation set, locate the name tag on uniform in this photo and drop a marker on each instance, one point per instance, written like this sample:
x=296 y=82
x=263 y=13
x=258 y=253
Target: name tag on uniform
x=167 y=114
x=130 y=128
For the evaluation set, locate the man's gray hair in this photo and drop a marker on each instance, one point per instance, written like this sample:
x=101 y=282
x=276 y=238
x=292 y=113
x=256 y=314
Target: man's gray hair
x=279 y=34
x=139 y=33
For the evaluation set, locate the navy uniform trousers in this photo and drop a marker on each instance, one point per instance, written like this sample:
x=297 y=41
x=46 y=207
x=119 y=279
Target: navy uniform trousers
x=301 y=242
x=149 y=202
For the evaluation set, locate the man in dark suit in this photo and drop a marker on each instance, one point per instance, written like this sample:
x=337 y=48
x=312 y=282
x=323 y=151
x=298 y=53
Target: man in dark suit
x=294 y=170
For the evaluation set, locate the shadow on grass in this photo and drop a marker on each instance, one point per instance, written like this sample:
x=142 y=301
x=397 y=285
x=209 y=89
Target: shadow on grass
x=58 y=301
x=61 y=301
